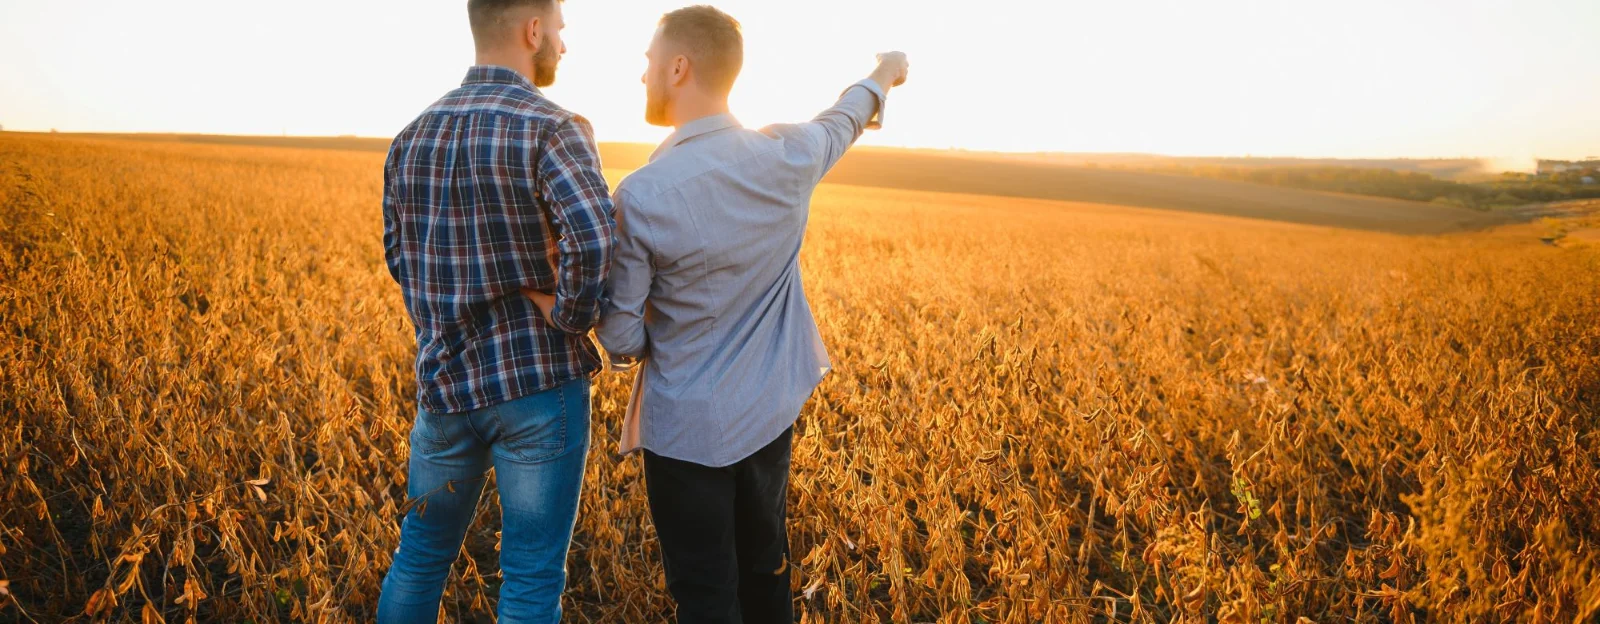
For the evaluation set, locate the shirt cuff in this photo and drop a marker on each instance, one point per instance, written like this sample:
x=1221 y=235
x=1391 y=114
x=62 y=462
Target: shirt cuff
x=556 y=321
x=614 y=363
x=875 y=120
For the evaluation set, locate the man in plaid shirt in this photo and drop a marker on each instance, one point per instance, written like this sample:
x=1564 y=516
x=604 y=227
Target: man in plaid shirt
x=492 y=191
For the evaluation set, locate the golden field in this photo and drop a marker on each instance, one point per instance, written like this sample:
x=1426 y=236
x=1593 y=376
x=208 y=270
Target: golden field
x=1041 y=411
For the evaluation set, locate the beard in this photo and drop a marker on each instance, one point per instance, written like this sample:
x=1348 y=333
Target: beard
x=655 y=102
x=544 y=66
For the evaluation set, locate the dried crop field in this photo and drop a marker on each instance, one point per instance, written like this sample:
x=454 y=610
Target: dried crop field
x=1041 y=411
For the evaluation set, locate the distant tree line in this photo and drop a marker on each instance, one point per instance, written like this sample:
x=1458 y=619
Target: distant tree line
x=1510 y=189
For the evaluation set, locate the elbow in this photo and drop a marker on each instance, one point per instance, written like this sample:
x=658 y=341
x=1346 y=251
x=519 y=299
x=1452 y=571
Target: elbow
x=633 y=345
x=393 y=262
x=623 y=337
x=578 y=309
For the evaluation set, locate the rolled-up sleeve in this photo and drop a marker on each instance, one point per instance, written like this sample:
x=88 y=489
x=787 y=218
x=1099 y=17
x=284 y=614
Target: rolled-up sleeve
x=582 y=213
x=622 y=328
x=836 y=129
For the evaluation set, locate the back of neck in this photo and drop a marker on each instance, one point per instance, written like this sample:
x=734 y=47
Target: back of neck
x=520 y=63
x=692 y=108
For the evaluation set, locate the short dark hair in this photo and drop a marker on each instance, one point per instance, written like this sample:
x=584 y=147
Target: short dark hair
x=487 y=17
x=712 y=41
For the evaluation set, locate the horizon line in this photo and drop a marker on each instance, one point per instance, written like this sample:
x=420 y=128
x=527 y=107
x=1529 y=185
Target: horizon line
x=1247 y=156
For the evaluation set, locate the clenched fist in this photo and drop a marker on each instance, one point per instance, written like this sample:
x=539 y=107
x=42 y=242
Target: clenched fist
x=892 y=69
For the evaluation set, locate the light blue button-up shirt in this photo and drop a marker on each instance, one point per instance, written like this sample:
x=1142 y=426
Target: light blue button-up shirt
x=705 y=281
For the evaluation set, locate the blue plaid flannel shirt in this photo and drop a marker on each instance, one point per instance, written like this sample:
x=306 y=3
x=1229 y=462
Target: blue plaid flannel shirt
x=491 y=190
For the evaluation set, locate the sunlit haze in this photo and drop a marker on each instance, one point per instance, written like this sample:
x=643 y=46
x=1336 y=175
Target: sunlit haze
x=1390 y=78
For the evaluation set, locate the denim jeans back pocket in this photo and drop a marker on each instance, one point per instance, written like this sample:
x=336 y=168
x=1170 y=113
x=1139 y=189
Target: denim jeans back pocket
x=428 y=432
x=534 y=427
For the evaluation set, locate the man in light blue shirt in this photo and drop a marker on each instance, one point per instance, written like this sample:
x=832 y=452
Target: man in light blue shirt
x=705 y=293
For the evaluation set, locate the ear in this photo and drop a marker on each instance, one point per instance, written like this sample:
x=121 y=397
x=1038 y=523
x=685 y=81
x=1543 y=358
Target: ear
x=680 y=71
x=533 y=33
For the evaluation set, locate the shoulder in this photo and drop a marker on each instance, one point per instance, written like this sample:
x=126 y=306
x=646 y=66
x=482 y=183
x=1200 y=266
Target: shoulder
x=563 y=138
x=793 y=134
x=640 y=191
x=638 y=205
x=563 y=125
x=651 y=192
x=508 y=101
x=658 y=181
x=801 y=144
x=786 y=131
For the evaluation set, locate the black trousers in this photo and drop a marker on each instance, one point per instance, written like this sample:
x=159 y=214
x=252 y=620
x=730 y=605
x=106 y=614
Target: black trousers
x=723 y=540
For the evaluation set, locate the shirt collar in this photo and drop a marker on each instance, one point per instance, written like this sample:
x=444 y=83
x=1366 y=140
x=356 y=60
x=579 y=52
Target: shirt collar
x=698 y=127
x=496 y=74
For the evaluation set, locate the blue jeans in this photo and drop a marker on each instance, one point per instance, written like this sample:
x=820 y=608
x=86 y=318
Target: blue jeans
x=537 y=445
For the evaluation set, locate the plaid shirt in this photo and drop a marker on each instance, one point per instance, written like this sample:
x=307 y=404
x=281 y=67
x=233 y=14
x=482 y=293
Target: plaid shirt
x=491 y=190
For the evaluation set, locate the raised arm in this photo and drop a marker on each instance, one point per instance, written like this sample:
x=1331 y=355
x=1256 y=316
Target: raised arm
x=621 y=329
x=859 y=108
x=581 y=210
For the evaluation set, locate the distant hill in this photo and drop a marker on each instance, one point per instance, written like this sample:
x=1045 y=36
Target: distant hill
x=359 y=144
x=1008 y=177
x=1104 y=179
x=633 y=155
x=1462 y=169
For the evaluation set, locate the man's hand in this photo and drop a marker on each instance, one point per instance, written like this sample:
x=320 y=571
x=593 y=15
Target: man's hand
x=546 y=303
x=892 y=70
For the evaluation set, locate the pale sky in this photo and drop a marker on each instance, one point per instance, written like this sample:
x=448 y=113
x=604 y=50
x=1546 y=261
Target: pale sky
x=1376 y=78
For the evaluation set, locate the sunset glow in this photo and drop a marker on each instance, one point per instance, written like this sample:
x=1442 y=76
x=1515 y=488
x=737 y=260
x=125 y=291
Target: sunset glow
x=1511 y=80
